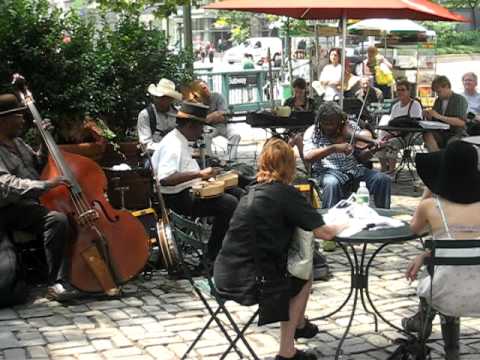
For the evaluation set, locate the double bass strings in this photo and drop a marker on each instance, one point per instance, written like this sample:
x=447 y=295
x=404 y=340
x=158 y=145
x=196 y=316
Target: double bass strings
x=79 y=202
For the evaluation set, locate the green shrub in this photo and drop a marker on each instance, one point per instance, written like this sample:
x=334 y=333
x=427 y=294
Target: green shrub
x=75 y=67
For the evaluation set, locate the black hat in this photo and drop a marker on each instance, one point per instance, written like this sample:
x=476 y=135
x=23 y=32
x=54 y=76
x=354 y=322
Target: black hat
x=452 y=173
x=194 y=111
x=9 y=104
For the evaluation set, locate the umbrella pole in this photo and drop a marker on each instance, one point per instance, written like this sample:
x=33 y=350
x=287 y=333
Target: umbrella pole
x=270 y=78
x=317 y=53
x=289 y=51
x=344 y=44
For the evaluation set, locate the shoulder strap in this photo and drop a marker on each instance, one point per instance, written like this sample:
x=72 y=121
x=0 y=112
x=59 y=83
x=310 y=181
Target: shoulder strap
x=152 y=117
x=444 y=218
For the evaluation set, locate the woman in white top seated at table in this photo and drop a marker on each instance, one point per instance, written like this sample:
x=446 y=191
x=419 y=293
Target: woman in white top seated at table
x=331 y=76
x=405 y=106
x=449 y=210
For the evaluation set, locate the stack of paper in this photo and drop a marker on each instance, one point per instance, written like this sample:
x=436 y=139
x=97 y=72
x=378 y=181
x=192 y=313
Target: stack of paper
x=358 y=217
x=434 y=125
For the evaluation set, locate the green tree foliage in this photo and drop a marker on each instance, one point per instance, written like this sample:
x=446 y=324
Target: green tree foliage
x=239 y=23
x=161 y=8
x=76 y=67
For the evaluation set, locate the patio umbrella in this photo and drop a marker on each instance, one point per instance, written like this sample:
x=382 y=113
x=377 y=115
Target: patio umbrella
x=343 y=9
x=386 y=26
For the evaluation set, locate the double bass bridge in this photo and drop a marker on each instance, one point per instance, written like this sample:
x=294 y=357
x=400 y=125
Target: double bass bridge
x=88 y=216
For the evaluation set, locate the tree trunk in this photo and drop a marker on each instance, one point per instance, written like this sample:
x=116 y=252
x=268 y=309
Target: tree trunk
x=474 y=18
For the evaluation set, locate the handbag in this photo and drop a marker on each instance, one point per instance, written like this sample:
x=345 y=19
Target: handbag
x=383 y=75
x=300 y=254
x=273 y=293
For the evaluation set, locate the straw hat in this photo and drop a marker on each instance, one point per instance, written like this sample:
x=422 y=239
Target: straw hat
x=164 y=87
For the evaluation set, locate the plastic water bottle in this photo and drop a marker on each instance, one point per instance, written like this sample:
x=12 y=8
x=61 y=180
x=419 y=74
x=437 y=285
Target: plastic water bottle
x=363 y=195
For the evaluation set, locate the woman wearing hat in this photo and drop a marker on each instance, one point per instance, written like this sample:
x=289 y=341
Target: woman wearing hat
x=449 y=209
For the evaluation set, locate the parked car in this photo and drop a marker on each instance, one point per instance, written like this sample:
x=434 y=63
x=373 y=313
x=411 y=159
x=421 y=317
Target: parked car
x=257 y=47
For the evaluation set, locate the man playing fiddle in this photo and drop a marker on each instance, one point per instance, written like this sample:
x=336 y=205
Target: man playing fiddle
x=177 y=171
x=20 y=188
x=328 y=147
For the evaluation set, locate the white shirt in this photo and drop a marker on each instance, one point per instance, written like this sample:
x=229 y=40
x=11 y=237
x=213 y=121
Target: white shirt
x=165 y=123
x=399 y=110
x=473 y=102
x=174 y=154
x=331 y=73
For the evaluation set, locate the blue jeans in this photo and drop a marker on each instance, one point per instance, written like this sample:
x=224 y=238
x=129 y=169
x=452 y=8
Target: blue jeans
x=334 y=188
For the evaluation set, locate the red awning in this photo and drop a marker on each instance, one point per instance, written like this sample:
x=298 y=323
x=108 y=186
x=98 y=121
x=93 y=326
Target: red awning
x=336 y=9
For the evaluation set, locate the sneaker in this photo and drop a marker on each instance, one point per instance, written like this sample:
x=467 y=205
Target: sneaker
x=413 y=324
x=329 y=245
x=307 y=332
x=299 y=355
x=61 y=292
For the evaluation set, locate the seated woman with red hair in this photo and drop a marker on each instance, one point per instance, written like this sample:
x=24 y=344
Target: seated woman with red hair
x=257 y=243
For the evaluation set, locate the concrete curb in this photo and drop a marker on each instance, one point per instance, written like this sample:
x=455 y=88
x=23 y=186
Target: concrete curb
x=457 y=57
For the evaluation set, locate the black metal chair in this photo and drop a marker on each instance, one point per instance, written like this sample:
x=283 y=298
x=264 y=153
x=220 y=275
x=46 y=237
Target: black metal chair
x=191 y=234
x=447 y=253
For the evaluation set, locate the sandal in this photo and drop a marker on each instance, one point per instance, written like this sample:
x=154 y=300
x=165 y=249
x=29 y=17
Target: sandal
x=307 y=332
x=299 y=355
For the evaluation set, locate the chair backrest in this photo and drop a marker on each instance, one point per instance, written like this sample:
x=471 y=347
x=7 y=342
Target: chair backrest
x=190 y=233
x=453 y=252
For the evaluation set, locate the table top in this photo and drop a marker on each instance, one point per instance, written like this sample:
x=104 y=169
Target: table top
x=404 y=129
x=398 y=234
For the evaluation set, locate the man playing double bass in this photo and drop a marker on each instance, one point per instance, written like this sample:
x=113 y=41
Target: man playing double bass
x=177 y=171
x=20 y=188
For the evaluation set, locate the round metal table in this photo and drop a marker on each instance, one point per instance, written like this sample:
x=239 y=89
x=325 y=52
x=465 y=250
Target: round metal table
x=359 y=268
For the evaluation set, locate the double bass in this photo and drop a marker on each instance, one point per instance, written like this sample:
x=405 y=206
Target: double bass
x=108 y=247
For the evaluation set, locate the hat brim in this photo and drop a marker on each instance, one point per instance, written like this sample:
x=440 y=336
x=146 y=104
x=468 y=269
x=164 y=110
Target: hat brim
x=431 y=169
x=13 y=111
x=155 y=91
x=186 y=116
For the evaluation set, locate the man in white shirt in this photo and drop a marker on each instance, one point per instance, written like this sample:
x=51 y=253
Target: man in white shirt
x=177 y=171
x=470 y=81
x=158 y=118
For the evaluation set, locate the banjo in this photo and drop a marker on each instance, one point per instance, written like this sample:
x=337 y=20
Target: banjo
x=168 y=246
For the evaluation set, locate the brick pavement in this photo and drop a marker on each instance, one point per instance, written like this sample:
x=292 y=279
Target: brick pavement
x=158 y=318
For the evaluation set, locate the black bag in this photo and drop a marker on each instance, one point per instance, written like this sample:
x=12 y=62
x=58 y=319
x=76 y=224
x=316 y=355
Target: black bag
x=405 y=122
x=13 y=289
x=410 y=349
x=274 y=300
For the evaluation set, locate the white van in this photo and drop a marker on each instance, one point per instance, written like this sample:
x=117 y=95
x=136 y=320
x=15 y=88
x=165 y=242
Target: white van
x=256 y=46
